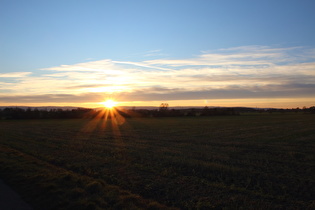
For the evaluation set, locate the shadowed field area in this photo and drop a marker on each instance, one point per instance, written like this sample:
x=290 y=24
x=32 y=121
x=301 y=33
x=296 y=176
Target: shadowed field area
x=247 y=161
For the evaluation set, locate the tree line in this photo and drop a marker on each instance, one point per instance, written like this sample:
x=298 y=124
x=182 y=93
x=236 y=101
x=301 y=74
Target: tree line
x=162 y=111
x=35 y=113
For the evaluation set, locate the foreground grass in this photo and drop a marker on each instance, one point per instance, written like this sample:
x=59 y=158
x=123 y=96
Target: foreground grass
x=249 y=162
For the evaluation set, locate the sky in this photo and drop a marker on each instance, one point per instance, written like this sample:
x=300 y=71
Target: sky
x=146 y=52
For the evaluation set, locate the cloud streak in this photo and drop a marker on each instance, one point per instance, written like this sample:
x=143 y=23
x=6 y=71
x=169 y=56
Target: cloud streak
x=14 y=74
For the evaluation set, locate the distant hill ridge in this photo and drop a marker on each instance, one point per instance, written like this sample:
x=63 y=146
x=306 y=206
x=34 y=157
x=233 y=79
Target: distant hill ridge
x=122 y=107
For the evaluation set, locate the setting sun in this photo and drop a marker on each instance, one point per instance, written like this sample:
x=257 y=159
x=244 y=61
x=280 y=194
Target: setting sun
x=109 y=103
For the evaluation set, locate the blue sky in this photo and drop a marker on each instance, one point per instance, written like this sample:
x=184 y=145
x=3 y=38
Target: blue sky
x=193 y=52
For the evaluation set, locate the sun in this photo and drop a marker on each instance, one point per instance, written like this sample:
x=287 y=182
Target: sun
x=109 y=103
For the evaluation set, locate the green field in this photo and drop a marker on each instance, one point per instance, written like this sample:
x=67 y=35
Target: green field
x=259 y=161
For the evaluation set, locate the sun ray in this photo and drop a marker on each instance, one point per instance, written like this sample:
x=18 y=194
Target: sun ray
x=99 y=118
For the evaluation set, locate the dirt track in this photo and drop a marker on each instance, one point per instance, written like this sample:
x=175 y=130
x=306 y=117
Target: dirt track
x=10 y=200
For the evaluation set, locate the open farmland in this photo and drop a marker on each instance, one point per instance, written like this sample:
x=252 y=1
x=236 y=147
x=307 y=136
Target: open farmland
x=249 y=161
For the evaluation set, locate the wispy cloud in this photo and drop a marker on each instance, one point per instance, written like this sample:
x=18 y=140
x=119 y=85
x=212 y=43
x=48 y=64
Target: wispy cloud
x=106 y=66
x=242 y=72
x=152 y=53
x=15 y=74
x=240 y=56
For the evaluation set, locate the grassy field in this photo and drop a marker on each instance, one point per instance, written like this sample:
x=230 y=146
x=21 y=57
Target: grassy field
x=256 y=161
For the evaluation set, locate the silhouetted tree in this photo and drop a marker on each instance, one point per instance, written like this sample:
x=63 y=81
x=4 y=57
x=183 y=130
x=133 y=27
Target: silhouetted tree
x=163 y=106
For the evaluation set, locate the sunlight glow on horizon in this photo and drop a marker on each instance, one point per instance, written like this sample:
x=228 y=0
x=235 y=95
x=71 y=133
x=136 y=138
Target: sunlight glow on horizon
x=245 y=102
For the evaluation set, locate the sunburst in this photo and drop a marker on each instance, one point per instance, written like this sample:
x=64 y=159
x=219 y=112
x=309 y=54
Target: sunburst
x=109 y=103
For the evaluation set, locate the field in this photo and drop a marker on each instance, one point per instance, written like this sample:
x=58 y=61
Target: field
x=259 y=161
